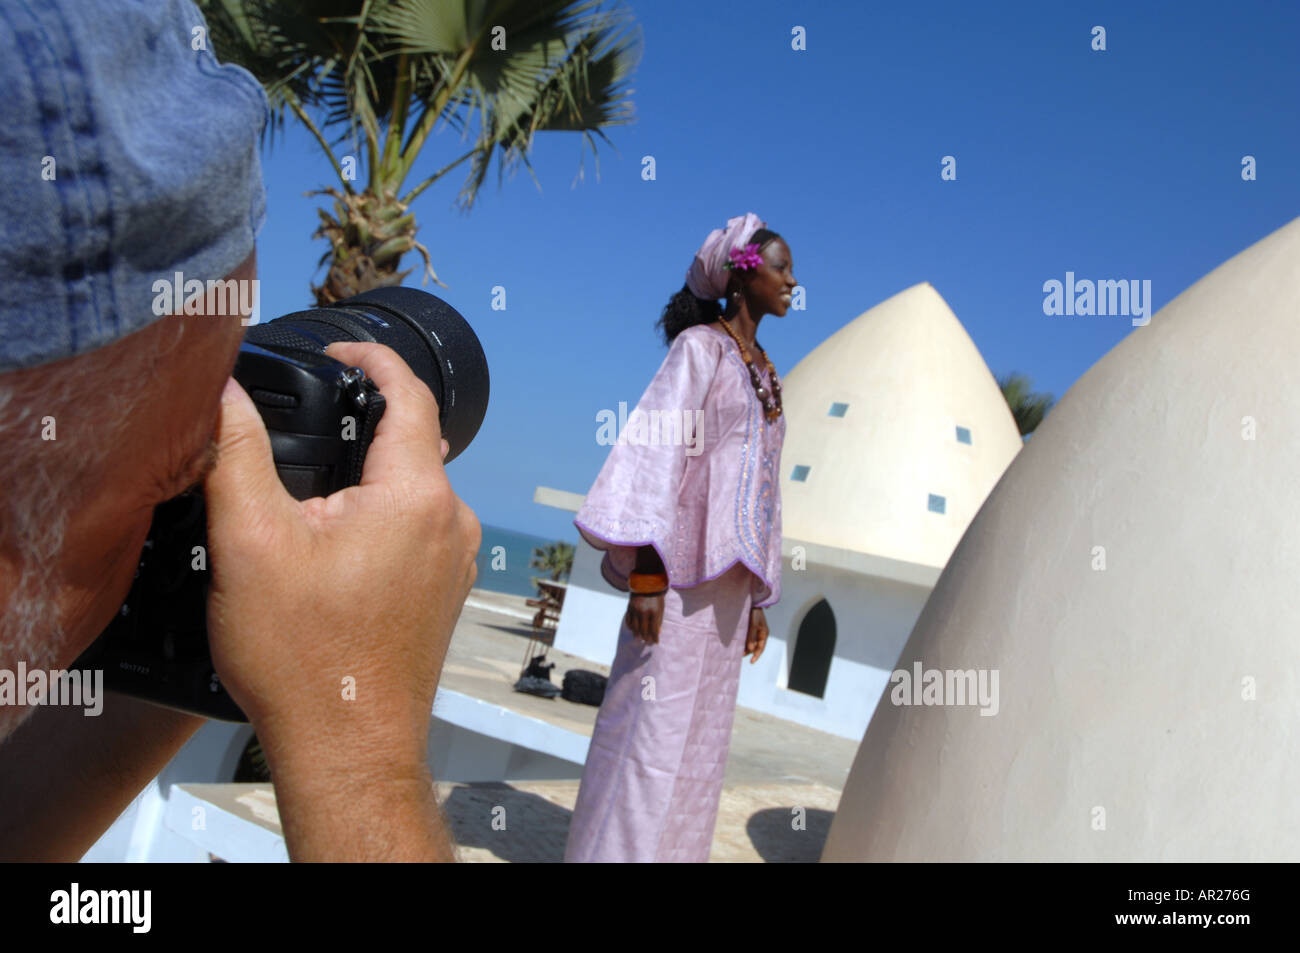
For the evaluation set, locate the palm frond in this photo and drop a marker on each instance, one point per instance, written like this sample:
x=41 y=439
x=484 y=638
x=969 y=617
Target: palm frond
x=1027 y=408
x=378 y=77
x=584 y=90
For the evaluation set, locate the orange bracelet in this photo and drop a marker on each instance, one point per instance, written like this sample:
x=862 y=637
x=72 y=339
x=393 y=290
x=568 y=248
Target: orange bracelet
x=648 y=583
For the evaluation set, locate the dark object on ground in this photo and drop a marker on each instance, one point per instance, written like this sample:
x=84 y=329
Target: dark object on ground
x=538 y=667
x=585 y=688
x=536 y=679
x=537 y=686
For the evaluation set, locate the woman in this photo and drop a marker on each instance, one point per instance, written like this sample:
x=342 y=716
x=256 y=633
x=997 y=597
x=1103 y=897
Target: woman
x=691 y=529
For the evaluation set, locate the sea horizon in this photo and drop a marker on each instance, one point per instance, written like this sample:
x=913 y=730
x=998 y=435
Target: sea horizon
x=508 y=569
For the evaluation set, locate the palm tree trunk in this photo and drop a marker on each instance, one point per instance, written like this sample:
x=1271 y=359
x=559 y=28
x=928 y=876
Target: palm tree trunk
x=368 y=234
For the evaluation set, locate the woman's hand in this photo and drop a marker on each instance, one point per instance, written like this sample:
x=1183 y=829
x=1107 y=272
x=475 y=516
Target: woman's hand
x=644 y=616
x=756 y=640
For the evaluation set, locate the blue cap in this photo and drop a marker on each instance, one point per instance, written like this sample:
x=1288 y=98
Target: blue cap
x=127 y=156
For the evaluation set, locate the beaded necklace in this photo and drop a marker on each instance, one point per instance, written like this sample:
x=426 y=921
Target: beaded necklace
x=771 y=401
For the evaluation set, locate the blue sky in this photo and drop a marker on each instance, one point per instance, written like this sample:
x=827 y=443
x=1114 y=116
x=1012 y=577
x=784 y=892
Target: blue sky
x=1117 y=164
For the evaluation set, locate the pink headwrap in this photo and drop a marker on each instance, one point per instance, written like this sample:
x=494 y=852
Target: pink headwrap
x=707 y=276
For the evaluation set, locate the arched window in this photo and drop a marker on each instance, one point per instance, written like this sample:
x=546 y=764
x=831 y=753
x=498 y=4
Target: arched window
x=814 y=647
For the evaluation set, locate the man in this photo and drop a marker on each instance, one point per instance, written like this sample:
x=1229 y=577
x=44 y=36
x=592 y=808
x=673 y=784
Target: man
x=129 y=155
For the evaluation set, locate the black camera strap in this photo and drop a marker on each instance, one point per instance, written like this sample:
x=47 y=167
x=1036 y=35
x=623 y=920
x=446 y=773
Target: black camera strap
x=369 y=404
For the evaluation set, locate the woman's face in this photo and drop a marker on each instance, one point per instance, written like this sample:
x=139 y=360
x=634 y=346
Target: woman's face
x=773 y=283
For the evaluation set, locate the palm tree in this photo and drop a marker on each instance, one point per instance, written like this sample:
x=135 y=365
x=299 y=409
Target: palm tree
x=382 y=73
x=1028 y=408
x=556 y=558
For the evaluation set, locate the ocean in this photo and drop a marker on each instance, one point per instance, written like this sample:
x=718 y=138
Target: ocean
x=512 y=572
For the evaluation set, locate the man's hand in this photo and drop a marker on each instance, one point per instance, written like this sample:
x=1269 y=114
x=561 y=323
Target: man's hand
x=756 y=639
x=645 y=614
x=329 y=619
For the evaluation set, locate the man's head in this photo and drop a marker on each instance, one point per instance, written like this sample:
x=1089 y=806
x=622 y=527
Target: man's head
x=131 y=156
x=92 y=444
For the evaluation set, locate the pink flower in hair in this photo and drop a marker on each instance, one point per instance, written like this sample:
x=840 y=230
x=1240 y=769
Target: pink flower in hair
x=743 y=259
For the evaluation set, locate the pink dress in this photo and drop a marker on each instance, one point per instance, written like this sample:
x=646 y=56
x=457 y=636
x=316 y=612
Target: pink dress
x=710 y=504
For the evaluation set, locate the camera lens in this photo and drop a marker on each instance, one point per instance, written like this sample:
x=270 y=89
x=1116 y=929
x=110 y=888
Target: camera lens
x=430 y=335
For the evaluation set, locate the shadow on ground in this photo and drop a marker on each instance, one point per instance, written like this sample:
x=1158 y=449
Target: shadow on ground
x=523 y=631
x=514 y=825
x=522 y=827
x=778 y=839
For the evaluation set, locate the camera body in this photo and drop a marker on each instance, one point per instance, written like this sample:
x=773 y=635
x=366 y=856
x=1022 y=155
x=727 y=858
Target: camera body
x=321 y=416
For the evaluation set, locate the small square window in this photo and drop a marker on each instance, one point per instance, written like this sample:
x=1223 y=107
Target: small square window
x=963 y=435
x=837 y=410
x=937 y=504
x=800 y=473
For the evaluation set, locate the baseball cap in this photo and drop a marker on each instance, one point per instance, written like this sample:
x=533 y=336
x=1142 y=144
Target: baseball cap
x=128 y=154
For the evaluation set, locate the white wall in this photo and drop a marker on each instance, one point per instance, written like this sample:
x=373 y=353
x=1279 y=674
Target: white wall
x=593 y=610
x=139 y=833
x=469 y=740
x=473 y=740
x=873 y=618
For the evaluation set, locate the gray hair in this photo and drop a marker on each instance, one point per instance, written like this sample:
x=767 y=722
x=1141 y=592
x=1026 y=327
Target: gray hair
x=58 y=427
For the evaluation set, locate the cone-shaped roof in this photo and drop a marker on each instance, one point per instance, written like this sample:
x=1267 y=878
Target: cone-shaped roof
x=892 y=475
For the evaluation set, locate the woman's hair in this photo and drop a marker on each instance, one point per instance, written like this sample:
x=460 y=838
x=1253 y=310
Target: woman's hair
x=684 y=310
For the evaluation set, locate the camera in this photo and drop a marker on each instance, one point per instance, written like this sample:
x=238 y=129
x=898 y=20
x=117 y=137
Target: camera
x=321 y=416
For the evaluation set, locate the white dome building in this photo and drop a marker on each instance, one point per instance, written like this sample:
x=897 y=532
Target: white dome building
x=893 y=420
x=1132 y=581
x=896 y=432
